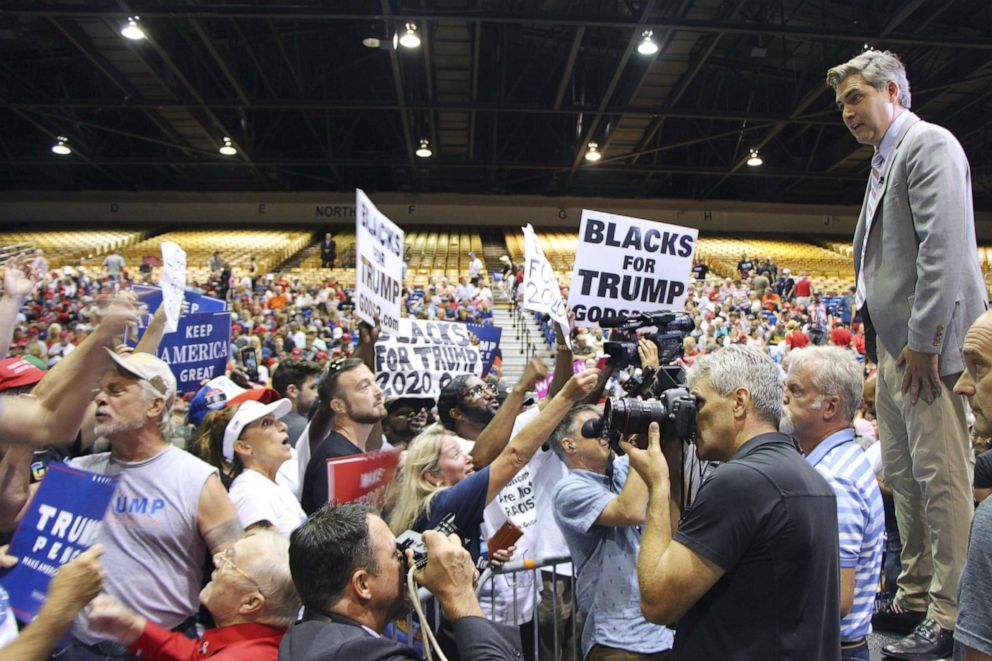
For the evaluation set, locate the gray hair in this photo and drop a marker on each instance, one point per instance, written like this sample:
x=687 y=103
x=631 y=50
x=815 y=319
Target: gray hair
x=270 y=569
x=740 y=366
x=565 y=429
x=878 y=68
x=150 y=393
x=835 y=373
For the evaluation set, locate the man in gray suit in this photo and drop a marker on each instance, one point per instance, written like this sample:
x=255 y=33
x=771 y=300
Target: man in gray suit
x=919 y=287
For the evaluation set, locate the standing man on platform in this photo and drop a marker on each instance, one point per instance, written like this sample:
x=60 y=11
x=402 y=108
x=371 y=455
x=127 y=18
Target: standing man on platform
x=328 y=251
x=919 y=287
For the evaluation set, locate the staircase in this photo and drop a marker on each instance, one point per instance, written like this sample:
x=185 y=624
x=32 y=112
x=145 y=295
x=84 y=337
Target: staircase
x=521 y=340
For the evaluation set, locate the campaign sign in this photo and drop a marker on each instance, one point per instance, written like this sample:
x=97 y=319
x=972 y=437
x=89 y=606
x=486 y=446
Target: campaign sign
x=627 y=265
x=378 y=265
x=199 y=349
x=62 y=522
x=424 y=356
x=488 y=343
x=192 y=303
x=362 y=477
x=542 y=292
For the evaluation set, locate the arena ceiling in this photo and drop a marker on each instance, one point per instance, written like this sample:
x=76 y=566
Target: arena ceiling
x=508 y=94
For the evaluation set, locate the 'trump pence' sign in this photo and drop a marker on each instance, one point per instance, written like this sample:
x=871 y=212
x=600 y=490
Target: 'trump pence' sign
x=424 y=356
x=626 y=265
x=379 y=265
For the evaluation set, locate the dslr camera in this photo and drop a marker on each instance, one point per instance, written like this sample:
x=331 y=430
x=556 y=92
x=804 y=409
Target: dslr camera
x=412 y=539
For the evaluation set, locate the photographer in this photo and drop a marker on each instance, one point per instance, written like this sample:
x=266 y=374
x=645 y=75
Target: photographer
x=752 y=570
x=348 y=572
x=598 y=510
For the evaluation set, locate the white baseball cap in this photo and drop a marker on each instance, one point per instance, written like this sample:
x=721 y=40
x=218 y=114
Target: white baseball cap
x=151 y=368
x=249 y=412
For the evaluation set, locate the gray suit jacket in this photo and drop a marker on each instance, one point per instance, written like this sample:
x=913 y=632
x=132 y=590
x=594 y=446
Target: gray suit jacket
x=924 y=283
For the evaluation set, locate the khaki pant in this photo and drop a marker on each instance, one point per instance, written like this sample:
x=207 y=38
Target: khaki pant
x=926 y=459
x=602 y=653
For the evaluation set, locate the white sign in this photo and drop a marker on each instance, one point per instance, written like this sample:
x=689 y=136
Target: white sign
x=424 y=356
x=173 y=283
x=626 y=265
x=378 y=265
x=541 y=290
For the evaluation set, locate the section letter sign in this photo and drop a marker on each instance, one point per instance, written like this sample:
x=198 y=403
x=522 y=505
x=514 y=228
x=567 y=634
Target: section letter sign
x=378 y=265
x=542 y=293
x=362 y=477
x=424 y=356
x=627 y=265
x=63 y=520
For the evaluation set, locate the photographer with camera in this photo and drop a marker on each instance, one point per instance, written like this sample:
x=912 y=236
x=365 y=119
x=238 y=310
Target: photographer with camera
x=599 y=506
x=751 y=571
x=350 y=576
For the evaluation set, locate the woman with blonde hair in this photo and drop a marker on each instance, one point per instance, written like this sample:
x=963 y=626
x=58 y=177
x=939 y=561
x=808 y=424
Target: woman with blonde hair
x=437 y=477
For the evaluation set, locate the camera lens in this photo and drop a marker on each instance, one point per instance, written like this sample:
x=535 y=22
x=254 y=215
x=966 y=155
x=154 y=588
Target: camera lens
x=633 y=416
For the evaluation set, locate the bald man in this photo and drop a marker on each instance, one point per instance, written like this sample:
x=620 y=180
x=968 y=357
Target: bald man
x=973 y=633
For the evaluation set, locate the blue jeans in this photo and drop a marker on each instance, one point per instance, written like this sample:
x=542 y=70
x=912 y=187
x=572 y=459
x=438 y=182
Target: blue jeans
x=859 y=653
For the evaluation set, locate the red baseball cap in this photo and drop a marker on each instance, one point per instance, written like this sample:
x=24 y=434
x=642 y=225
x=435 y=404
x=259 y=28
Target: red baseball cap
x=17 y=372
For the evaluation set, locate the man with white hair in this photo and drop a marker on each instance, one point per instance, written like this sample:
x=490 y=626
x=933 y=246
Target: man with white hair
x=822 y=393
x=751 y=570
x=251 y=597
x=169 y=508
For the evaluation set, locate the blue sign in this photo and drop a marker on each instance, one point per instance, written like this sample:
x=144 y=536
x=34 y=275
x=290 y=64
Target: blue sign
x=192 y=303
x=199 y=349
x=62 y=522
x=488 y=343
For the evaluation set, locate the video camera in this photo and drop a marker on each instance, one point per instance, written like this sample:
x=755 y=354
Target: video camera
x=671 y=331
x=671 y=405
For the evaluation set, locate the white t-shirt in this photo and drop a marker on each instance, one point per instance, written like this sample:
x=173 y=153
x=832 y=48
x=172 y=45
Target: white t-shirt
x=257 y=498
x=8 y=625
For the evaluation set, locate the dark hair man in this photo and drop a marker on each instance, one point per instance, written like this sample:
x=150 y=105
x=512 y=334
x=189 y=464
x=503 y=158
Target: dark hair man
x=822 y=392
x=973 y=630
x=471 y=408
x=251 y=597
x=349 y=392
x=328 y=251
x=600 y=513
x=296 y=380
x=405 y=418
x=751 y=571
x=919 y=287
x=351 y=579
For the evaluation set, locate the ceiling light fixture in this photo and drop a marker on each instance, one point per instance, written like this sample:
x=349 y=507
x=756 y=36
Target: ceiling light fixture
x=60 y=147
x=132 y=30
x=227 y=149
x=371 y=42
x=410 y=38
x=424 y=151
x=647 y=45
x=593 y=155
x=754 y=160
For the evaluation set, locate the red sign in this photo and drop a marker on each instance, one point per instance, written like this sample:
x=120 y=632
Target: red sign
x=362 y=477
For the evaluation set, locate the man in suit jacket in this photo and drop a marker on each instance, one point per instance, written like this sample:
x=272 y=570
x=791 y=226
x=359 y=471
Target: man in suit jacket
x=328 y=251
x=919 y=287
x=351 y=579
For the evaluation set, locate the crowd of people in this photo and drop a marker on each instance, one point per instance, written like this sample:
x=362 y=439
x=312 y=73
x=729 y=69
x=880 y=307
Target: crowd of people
x=827 y=486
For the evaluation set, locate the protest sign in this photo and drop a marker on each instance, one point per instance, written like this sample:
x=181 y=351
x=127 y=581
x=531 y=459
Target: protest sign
x=61 y=522
x=192 y=303
x=488 y=343
x=173 y=283
x=541 y=290
x=198 y=351
x=378 y=265
x=627 y=265
x=423 y=356
x=362 y=477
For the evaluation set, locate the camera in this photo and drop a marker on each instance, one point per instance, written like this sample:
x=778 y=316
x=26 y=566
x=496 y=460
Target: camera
x=412 y=539
x=674 y=411
x=671 y=330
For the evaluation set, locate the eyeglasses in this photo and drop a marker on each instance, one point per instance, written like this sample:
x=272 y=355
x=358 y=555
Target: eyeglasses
x=225 y=559
x=477 y=392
